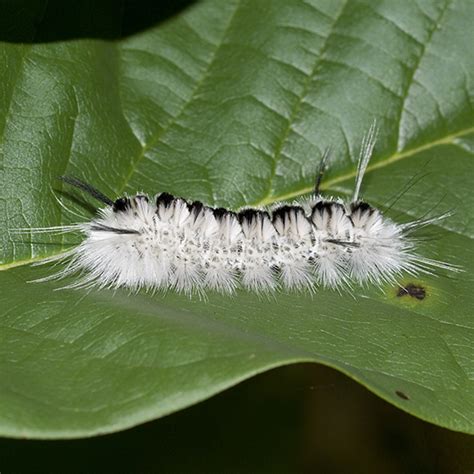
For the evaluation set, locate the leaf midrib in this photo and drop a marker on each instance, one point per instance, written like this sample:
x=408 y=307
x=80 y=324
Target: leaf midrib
x=447 y=140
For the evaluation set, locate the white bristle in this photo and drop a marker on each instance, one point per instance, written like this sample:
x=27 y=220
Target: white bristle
x=169 y=243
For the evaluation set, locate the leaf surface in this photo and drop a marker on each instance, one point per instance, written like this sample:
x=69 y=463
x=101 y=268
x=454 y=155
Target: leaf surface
x=233 y=103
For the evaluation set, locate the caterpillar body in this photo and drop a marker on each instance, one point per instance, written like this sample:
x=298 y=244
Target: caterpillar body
x=167 y=242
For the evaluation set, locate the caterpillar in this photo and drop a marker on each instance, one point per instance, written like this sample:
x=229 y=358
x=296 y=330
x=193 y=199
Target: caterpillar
x=168 y=242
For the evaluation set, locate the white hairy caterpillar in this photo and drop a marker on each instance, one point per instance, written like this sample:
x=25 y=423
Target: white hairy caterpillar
x=169 y=243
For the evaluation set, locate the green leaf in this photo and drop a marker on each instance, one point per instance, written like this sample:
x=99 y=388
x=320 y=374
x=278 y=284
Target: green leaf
x=233 y=103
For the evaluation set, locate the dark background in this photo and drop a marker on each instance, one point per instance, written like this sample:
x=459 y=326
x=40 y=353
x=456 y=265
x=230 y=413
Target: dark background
x=39 y=21
x=300 y=419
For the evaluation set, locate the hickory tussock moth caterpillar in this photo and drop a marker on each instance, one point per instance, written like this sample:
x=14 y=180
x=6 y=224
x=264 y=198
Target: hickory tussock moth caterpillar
x=170 y=243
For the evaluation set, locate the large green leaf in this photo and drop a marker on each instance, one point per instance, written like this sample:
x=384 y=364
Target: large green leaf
x=233 y=103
